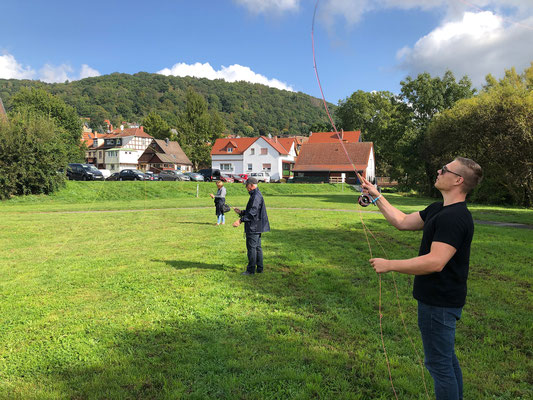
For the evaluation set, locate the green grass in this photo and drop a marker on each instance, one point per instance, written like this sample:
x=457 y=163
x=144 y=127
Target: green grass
x=150 y=303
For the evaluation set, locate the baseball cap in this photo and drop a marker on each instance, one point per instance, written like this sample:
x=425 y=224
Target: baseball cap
x=251 y=181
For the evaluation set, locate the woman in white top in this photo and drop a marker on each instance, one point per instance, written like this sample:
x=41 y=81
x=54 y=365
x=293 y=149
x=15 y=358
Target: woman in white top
x=220 y=200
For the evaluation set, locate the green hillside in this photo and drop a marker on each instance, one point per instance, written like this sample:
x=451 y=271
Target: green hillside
x=248 y=109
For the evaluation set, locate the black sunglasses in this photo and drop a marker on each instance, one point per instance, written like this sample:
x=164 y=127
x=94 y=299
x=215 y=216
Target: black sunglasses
x=445 y=169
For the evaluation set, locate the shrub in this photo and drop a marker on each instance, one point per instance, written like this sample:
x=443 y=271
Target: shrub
x=32 y=153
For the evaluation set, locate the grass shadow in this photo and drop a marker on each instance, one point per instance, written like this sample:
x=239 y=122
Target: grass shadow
x=220 y=357
x=183 y=264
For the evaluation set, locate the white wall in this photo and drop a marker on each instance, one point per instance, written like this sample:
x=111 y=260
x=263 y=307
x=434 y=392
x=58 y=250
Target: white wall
x=240 y=161
x=371 y=169
x=118 y=159
x=234 y=160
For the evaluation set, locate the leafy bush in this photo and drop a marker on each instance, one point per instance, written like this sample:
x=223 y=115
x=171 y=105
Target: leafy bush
x=32 y=153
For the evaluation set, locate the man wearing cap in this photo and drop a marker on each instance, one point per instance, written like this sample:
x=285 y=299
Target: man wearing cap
x=255 y=222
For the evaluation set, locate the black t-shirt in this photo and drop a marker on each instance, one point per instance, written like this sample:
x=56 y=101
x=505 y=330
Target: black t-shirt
x=452 y=225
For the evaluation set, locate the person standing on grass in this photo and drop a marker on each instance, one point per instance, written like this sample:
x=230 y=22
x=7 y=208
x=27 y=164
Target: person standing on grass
x=220 y=200
x=441 y=268
x=255 y=222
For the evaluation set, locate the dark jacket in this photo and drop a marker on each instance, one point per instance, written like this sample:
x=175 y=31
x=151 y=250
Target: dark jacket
x=255 y=216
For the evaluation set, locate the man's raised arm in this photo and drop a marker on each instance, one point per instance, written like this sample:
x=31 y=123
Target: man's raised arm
x=397 y=218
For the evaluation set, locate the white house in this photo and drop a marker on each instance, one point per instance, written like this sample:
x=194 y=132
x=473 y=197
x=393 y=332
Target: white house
x=246 y=155
x=133 y=140
x=119 y=158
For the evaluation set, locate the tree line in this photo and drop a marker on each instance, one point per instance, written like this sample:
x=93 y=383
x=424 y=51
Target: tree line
x=435 y=119
x=430 y=121
x=246 y=109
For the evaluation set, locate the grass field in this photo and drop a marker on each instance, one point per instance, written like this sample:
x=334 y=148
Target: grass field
x=146 y=300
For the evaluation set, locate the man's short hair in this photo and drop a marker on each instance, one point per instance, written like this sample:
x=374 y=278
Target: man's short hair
x=471 y=172
x=251 y=181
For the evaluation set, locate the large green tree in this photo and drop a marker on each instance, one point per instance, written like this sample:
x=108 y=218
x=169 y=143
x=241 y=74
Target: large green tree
x=40 y=102
x=379 y=117
x=156 y=126
x=494 y=128
x=32 y=152
x=422 y=98
x=198 y=128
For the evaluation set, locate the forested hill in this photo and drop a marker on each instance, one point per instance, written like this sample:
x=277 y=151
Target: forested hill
x=247 y=109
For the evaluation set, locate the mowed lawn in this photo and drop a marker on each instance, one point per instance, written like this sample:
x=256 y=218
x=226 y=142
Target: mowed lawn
x=146 y=300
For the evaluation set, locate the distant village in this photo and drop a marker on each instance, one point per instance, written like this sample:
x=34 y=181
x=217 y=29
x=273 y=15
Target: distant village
x=321 y=157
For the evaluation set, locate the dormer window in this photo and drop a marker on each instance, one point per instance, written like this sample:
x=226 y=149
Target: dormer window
x=230 y=149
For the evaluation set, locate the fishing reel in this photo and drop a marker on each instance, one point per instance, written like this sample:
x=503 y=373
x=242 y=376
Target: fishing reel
x=365 y=200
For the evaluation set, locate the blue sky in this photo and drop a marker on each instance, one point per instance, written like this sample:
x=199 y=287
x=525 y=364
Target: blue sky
x=360 y=44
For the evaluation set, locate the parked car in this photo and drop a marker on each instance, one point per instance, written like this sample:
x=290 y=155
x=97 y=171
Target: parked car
x=105 y=172
x=83 y=172
x=226 y=178
x=261 y=176
x=194 y=176
x=172 y=175
x=183 y=177
x=244 y=176
x=238 y=178
x=113 y=176
x=210 y=174
x=131 y=175
x=151 y=176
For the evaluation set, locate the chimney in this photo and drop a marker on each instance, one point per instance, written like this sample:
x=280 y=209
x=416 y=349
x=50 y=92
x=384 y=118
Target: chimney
x=166 y=141
x=342 y=134
x=141 y=128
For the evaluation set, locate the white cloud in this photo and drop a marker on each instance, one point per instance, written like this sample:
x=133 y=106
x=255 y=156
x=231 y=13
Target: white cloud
x=53 y=74
x=233 y=73
x=351 y=11
x=474 y=37
x=87 y=72
x=11 y=69
x=478 y=44
x=58 y=74
x=269 y=6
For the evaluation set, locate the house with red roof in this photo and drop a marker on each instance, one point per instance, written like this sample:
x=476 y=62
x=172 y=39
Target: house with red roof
x=333 y=137
x=330 y=162
x=255 y=154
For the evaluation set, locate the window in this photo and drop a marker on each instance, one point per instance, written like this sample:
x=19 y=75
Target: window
x=226 y=167
x=249 y=167
x=267 y=167
x=230 y=149
x=264 y=151
x=286 y=167
x=252 y=152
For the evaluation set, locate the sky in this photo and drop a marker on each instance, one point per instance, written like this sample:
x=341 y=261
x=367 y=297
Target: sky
x=368 y=45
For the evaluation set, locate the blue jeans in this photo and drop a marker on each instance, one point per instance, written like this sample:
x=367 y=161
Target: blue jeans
x=437 y=326
x=255 y=252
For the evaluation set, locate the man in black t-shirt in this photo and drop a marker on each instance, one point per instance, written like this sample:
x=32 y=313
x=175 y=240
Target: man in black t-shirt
x=441 y=268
